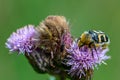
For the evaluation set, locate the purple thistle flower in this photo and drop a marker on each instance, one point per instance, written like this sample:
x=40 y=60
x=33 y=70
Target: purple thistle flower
x=82 y=59
x=23 y=40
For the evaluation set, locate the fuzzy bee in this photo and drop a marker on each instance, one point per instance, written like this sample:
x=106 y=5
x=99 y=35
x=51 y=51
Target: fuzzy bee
x=94 y=38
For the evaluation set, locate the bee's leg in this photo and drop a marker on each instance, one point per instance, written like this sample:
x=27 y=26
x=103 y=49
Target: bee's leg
x=95 y=51
x=78 y=39
x=92 y=46
x=95 y=48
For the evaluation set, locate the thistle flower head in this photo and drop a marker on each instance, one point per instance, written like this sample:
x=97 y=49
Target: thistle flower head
x=23 y=40
x=83 y=59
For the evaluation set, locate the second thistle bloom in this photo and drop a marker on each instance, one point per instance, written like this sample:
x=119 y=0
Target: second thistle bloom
x=23 y=40
x=82 y=60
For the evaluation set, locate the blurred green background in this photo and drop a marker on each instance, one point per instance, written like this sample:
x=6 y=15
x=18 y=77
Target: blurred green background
x=82 y=14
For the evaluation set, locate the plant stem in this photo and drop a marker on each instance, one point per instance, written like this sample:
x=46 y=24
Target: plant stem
x=60 y=77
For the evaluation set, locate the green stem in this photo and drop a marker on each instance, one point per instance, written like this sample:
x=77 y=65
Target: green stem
x=58 y=77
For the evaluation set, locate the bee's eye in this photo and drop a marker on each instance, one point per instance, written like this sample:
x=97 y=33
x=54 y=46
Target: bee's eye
x=102 y=39
x=106 y=38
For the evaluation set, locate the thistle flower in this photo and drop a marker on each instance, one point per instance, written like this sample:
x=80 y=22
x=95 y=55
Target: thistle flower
x=43 y=43
x=23 y=40
x=82 y=61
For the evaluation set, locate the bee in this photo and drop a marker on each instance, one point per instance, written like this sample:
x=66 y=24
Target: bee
x=94 y=38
